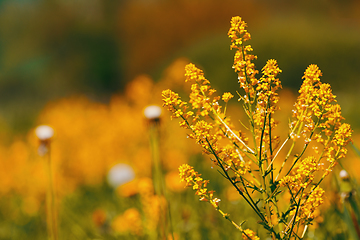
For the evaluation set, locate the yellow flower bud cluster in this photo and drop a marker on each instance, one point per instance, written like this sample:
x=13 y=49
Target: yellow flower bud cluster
x=173 y=103
x=316 y=120
x=208 y=134
x=314 y=108
x=201 y=91
x=237 y=32
x=316 y=117
x=128 y=222
x=266 y=100
x=309 y=208
x=192 y=178
x=336 y=148
x=302 y=175
x=227 y=96
x=243 y=64
x=306 y=200
x=249 y=235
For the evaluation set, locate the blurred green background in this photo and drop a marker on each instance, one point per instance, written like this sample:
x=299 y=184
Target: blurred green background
x=56 y=48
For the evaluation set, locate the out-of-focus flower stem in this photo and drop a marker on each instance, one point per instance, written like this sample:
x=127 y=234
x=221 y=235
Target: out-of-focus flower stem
x=158 y=180
x=52 y=224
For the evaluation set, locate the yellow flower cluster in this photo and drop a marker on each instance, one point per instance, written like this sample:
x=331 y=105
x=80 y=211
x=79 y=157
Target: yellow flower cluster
x=341 y=138
x=207 y=134
x=299 y=179
x=128 y=222
x=301 y=176
x=200 y=91
x=202 y=132
x=315 y=118
x=227 y=96
x=262 y=92
x=315 y=99
x=267 y=98
x=174 y=103
x=192 y=178
x=151 y=204
x=249 y=235
x=308 y=210
x=243 y=64
x=237 y=32
x=268 y=85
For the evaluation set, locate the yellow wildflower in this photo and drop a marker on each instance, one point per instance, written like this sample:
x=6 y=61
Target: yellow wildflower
x=267 y=97
x=129 y=221
x=194 y=74
x=192 y=178
x=237 y=32
x=249 y=235
x=308 y=209
x=173 y=103
x=315 y=118
x=341 y=138
x=227 y=96
x=302 y=175
x=243 y=60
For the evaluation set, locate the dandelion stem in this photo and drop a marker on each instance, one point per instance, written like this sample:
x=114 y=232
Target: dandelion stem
x=51 y=201
x=159 y=185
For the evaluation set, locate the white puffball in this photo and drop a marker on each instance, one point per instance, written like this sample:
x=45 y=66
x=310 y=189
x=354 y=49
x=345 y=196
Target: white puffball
x=44 y=132
x=120 y=174
x=343 y=174
x=152 y=112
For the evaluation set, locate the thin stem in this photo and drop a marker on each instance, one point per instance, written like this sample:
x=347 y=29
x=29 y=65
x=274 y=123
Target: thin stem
x=226 y=216
x=296 y=160
x=159 y=185
x=250 y=115
x=248 y=194
x=290 y=150
x=239 y=139
x=226 y=126
x=293 y=219
x=271 y=150
x=277 y=153
x=263 y=177
x=250 y=202
x=51 y=200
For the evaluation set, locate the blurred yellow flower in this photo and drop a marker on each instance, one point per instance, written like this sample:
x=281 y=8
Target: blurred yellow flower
x=173 y=183
x=128 y=222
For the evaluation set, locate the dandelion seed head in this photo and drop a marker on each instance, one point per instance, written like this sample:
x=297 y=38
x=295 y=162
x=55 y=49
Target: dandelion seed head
x=120 y=174
x=344 y=175
x=44 y=132
x=152 y=112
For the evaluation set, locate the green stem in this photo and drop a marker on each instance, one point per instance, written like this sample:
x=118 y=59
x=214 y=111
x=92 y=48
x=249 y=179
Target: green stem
x=51 y=200
x=294 y=218
x=159 y=185
x=249 y=107
x=250 y=202
x=262 y=173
